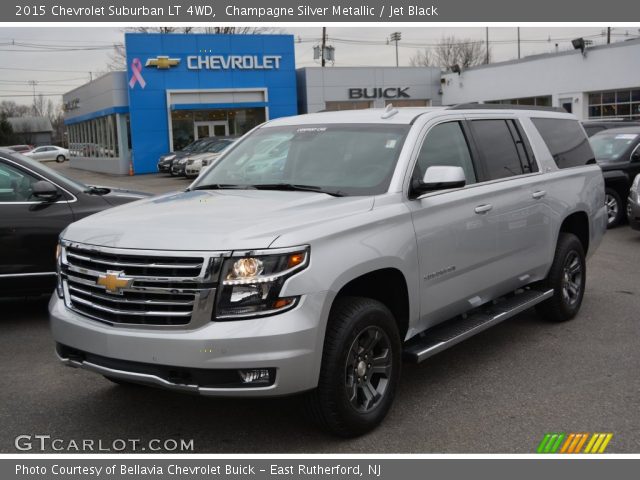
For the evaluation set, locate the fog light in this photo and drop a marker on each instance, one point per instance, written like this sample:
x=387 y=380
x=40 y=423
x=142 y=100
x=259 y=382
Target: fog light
x=260 y=375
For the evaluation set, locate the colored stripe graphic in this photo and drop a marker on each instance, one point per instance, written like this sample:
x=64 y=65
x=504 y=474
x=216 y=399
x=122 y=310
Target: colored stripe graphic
x=550 y=443
x=574 y=442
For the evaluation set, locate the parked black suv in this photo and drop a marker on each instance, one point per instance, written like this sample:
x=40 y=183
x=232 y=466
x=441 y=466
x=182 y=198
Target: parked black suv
x=36 y=204
x=165 y=162
x=591 y=127
x=618 y=153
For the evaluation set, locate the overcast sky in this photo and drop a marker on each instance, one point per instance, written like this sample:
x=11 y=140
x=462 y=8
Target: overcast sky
x=20 y=64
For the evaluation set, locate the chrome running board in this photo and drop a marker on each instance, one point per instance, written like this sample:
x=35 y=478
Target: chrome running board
x=452 y=332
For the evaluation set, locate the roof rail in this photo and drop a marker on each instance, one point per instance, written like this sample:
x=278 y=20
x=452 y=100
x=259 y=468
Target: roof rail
x=503 y=106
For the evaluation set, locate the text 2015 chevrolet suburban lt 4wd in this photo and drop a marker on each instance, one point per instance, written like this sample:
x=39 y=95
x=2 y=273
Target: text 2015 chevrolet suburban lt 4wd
x=365 y=237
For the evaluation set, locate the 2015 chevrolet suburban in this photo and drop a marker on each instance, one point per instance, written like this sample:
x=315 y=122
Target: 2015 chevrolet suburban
x=365 y=237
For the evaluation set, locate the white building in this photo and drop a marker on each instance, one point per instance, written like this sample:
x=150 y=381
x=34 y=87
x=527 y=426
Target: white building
x=602 y=83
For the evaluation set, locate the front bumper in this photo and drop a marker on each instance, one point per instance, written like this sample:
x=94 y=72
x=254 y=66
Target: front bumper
x=192 y=171
x=290 y=344
x=178 y=169
x=633 y=213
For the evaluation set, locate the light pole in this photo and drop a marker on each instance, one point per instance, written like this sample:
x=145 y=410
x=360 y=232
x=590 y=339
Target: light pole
x=33 y=83
x=396 y=37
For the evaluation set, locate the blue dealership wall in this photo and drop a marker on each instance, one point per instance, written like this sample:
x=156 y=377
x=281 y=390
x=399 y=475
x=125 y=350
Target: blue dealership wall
x=148 y=105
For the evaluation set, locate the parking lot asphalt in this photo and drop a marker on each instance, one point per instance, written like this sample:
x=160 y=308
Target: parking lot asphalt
x=498 y=392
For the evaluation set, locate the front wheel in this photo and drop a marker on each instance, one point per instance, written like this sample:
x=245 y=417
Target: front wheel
x=60 y=158
x=567 y=278
x=615 y=210
x=360 y=370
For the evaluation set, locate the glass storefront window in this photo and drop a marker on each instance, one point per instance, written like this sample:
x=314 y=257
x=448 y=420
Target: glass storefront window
x=541 y=101
x=96 y=138
x=623 y=104
x=236 y=121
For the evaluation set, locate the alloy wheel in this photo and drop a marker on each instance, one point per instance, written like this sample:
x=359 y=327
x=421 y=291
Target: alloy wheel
x=368 y=369
x=572 y=278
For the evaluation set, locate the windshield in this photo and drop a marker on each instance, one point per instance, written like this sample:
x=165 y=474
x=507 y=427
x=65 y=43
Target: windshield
x=611 y=147
x=192 y=146
x=216 y=146
x=349 y=159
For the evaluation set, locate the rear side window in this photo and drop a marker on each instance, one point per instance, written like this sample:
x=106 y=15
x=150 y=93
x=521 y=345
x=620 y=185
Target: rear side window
x=498 y=149
x=566 y=141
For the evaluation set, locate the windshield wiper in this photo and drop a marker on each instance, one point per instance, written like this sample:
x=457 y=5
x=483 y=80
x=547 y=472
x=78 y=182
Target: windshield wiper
x=298 y=188
x=221 y=186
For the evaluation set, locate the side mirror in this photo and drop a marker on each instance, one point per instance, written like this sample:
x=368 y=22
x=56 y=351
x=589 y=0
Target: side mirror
x=45 y=191
x=635 y=156
x=441 y=178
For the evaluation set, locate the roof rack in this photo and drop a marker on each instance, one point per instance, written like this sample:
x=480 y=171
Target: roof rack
x=503 y=106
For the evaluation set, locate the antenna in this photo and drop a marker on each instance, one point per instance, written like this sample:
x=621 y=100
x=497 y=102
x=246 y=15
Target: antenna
x=389 y=111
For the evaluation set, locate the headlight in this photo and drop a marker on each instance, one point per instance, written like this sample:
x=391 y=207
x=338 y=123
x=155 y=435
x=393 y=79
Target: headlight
x=59 y=288
x=182 y=161
x=250 y=285
x=634 y=185
x=168 y=157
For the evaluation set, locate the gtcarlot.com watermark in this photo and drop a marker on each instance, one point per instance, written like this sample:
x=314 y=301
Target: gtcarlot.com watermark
x=44 y=443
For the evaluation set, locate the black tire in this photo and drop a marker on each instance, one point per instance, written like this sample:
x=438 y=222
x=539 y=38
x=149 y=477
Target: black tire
x=60 y=158
x=615 y=208
x=347 y=402
x=567 y=278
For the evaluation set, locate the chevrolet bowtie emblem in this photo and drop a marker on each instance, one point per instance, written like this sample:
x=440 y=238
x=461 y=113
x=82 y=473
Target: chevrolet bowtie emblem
x=162 y=62
x=114 y=282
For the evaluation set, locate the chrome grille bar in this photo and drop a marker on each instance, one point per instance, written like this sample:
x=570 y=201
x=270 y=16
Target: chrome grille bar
x=140 y=288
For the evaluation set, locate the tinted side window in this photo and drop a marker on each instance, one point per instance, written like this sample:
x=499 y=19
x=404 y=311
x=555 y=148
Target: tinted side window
x=497 y=148
x=15 y=185
x=566 y=141
x=445 y=145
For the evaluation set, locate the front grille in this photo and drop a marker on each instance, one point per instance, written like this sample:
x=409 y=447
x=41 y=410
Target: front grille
x=141 y=288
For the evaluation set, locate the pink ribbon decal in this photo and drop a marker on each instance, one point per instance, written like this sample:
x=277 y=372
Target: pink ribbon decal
x=136 y=74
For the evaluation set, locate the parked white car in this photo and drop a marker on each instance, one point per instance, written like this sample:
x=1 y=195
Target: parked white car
x=48 y=153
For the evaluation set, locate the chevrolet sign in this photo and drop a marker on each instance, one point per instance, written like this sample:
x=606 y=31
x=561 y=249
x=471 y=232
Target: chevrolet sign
x=162 y=62
x=233 y=62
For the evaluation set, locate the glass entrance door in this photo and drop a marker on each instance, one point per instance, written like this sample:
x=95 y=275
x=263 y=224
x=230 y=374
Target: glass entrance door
x=210 y=129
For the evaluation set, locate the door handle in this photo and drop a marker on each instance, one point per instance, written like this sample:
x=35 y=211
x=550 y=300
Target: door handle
x=538 y=194
x=480 y=209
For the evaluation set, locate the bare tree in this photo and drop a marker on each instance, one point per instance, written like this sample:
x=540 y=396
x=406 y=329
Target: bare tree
x=9 y=109
x=452 y=51
x=117 y=59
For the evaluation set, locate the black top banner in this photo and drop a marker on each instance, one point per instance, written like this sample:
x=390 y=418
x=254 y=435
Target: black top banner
x=348 y=11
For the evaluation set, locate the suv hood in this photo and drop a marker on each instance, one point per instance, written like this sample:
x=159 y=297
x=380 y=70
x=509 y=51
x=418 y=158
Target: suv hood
x=212 y=219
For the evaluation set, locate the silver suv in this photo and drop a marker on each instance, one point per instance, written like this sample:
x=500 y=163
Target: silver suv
x=320 y=250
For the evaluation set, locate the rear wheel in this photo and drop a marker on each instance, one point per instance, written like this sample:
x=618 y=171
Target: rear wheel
x=615 y=210
x=567 y=278
x=360 y=367
x=60 y=158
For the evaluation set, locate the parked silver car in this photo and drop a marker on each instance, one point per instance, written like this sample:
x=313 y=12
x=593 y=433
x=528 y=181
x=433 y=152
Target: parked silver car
x=48 y=153
x=633 y=204
x=374 y=234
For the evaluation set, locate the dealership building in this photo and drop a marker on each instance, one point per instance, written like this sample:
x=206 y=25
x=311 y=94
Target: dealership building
x=181 y=87
x=178 y=88
x=601 y=82
x=350 y=88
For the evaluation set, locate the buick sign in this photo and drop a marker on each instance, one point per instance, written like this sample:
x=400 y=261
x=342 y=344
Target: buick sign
x=391 y=92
